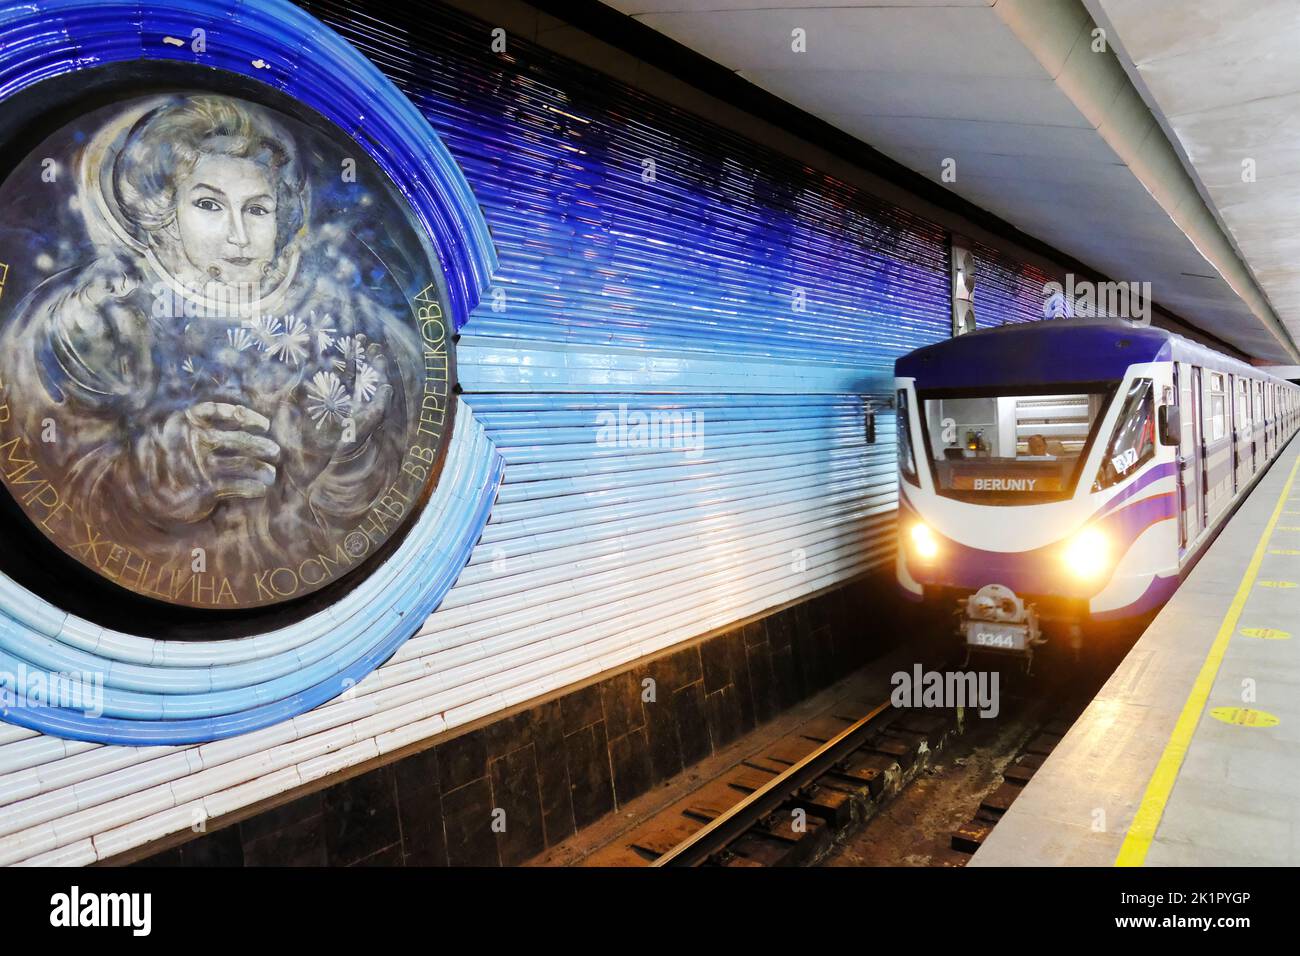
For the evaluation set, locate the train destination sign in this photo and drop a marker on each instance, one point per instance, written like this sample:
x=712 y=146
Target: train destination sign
x=1007 y=482
x=224 y=359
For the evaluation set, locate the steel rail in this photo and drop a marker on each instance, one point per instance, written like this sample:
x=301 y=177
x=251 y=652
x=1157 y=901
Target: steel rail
x=726 y=827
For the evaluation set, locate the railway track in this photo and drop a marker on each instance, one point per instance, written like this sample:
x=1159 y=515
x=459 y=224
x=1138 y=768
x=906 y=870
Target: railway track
x=790 y=793
x=793 y=801
x=970 y=836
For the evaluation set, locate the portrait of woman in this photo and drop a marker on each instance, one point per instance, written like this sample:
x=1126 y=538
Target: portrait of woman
x=225 y=381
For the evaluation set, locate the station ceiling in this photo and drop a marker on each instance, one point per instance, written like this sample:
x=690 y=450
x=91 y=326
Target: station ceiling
x=1224 y=79
x=924 y=81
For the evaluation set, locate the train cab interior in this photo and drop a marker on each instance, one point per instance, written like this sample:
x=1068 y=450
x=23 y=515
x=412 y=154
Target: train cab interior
x=1028 y=445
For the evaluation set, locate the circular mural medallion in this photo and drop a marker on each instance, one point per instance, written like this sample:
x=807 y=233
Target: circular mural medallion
x=224 y=351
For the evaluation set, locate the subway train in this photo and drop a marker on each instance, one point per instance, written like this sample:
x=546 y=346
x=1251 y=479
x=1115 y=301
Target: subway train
x=1057 y=475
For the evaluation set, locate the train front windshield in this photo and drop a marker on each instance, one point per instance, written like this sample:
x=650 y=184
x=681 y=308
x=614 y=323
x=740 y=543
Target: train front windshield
x=1009 y=448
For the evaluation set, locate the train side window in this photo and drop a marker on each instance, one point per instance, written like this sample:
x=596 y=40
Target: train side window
x=1134 y=440
x=906 y=459
x=1217 y=425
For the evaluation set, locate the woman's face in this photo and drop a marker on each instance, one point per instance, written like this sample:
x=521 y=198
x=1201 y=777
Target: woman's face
x=226 y=217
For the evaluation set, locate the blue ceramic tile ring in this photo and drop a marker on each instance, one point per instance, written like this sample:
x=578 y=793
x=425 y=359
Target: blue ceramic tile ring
x=159 y=692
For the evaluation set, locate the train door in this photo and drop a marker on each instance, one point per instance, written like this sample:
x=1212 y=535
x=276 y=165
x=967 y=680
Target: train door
x=1249 y=431
x=1241 y=428
x=1216 y=445
x=1231 y=412
x=1265 y=439
x=1261 y=446
x=1271 y=417
x=1256 y=415
x=1187 y=383
x=1261 y=452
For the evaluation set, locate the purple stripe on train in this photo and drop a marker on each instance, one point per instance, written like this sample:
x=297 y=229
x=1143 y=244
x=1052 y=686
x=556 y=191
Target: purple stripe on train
x=1160 y=590
x=1166 y=470
x=1040 y=570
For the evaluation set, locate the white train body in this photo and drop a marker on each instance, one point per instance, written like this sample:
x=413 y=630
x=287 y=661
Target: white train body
x=1068 y=472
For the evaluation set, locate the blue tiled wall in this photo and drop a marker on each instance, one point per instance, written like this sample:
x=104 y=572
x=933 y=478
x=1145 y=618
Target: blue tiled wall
x=651 y=261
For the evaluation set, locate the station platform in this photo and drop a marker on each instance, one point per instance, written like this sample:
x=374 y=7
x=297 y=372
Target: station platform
x=1190 y=753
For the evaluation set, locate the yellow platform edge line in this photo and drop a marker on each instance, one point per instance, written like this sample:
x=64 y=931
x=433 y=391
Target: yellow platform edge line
x=1143 y=828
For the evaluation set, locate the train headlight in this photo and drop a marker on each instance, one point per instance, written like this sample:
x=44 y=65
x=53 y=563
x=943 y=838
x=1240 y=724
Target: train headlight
x=1087 y=554
x=924 y=543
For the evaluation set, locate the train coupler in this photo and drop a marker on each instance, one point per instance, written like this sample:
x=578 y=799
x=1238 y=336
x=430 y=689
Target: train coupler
x=995 y=619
